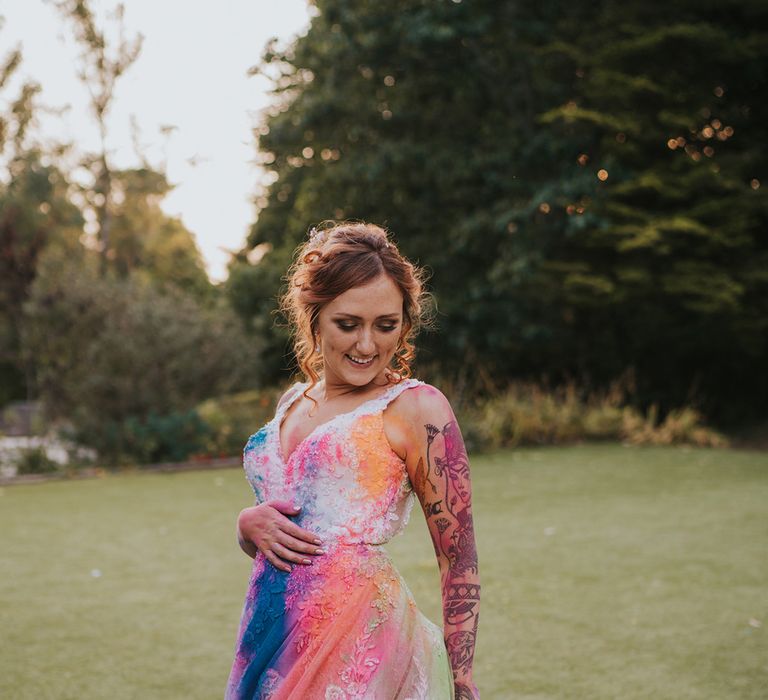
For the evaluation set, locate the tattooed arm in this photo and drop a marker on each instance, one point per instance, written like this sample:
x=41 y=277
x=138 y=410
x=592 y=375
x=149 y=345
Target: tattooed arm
x=426 y=429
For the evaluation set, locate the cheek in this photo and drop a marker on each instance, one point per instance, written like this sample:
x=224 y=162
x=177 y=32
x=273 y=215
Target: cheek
x=387 y=346
x=338 y=341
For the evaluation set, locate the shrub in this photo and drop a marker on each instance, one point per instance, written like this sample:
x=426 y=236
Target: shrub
x=172 y=437
x=526 y=414
x=682 y=425
x=234 y=417
x=123 y=359
x=35 y=460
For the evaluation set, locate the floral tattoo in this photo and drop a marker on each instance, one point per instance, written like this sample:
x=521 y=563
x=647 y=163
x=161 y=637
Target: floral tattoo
x=443 y=485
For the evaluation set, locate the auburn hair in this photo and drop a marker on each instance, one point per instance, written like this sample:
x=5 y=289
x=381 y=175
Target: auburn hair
x=338 y=257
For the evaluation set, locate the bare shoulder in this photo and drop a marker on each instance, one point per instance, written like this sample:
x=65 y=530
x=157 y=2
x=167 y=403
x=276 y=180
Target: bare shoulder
x=287 y=394
x=407 y=417
x=421 y=404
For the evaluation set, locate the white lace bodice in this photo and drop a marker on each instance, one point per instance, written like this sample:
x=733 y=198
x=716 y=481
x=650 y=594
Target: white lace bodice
x=353 y=488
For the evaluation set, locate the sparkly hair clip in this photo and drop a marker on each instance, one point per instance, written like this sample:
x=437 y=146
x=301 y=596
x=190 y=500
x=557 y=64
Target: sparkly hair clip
x=316 y=236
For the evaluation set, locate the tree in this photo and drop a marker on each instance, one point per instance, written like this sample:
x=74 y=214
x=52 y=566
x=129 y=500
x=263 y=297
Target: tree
x=34 y=213
x=523 y=151
x=114 y=353
x=99 y=72
x=131 y=230
x=146 y=240
x=647 y=240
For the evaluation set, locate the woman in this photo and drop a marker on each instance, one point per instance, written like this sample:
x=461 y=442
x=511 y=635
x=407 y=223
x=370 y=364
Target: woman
x=327 y=615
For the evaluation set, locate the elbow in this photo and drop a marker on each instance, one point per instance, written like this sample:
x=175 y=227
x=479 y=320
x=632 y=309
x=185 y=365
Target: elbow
x=460 y=570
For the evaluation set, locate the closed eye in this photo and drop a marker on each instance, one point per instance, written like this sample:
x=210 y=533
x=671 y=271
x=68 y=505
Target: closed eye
x=387 y=328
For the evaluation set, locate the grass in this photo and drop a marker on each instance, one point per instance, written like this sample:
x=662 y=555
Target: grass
x=607 y=572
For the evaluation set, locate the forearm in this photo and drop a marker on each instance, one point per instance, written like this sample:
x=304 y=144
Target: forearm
x=439 y=472
x=461 y=613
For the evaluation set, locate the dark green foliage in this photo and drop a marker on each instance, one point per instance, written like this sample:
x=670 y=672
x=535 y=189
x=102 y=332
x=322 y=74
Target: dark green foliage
x=143 y=238
x=234 y=417
x=151 y=439
x=477 y=131
x=35 y=213
x=35 y=460
x=126 y=352
x=667 y=271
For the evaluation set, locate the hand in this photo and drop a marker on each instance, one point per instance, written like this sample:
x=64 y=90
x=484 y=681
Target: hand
x=279 y=539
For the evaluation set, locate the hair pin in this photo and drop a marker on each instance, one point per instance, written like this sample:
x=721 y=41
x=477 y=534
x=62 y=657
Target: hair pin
x=316 y=236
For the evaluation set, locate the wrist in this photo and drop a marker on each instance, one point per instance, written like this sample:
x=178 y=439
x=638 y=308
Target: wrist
x=244 y=518
x=245 y=542
x=465 y=689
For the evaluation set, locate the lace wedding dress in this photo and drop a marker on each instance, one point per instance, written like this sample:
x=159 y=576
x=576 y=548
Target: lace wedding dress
x=345 y=627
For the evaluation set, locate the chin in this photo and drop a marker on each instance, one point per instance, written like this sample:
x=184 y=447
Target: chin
x=359 y=381
x=360 y=376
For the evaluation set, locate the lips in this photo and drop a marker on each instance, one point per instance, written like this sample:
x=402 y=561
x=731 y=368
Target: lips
x=357 y=363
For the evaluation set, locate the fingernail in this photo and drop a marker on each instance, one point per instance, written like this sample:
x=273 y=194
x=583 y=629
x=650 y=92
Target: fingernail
x=295 y=507
x=318 y=540
x=307 y=561
x=319 y=551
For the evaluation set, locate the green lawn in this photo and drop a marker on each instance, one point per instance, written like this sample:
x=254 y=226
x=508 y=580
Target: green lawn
x=607 y=572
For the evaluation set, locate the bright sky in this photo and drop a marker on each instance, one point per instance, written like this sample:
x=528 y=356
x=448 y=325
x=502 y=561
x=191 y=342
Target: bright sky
x=191 y=74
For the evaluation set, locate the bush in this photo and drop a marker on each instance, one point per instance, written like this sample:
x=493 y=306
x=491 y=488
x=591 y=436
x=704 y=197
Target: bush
x=157 y=438
x=683 y=425
x=125 y=361
x=526 y=414
x=234 y=417
x=35 y=461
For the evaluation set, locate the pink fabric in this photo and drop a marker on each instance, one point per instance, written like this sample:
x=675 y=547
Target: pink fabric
x=346 y=627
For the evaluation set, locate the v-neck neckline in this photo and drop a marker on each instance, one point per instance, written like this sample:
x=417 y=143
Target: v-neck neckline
x=280 y=419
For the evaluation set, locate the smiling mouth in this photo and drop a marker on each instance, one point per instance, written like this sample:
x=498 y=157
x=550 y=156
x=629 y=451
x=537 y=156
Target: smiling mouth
x=361 y=363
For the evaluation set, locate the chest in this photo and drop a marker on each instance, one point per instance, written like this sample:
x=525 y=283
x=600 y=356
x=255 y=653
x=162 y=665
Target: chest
x=348 y=457
x=297 y=427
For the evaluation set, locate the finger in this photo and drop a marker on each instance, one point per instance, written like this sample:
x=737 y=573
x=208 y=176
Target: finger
x=273 y=559
x=300 y=533
x=285 y=506
x=297 y=545
x=290 y=555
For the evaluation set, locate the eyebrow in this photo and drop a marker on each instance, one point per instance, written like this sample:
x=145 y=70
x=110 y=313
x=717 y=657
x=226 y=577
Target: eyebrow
x=359 y=318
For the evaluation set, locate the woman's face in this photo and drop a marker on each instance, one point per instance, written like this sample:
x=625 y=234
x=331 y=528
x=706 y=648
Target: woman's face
x=359 y=331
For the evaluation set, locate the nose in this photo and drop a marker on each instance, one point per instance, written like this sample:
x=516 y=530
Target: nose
x=365 y=344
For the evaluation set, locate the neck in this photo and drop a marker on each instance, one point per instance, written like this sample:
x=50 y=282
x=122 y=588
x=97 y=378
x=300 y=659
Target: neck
x=330 y=389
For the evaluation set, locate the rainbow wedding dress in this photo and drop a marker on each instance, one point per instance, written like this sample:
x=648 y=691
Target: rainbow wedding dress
x=345 y=627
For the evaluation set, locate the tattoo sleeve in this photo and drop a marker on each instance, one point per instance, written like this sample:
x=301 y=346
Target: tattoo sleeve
x=442 y=484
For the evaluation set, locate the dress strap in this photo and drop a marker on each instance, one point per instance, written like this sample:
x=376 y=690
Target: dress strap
x=381 y=402
x=374 y=405
x=291 y=395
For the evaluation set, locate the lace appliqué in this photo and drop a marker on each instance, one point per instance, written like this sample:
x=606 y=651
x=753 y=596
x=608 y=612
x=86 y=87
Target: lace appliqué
x=255 y=462
x=355 y=493
x=316 y=612
x=270 y=684
x=362 y=661
x=264 y=601
x=318 y=603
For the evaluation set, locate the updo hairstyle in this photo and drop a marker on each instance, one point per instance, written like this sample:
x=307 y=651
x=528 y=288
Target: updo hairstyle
x=338 y=257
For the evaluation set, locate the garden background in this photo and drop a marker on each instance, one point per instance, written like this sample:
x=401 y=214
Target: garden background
x=586 y=185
